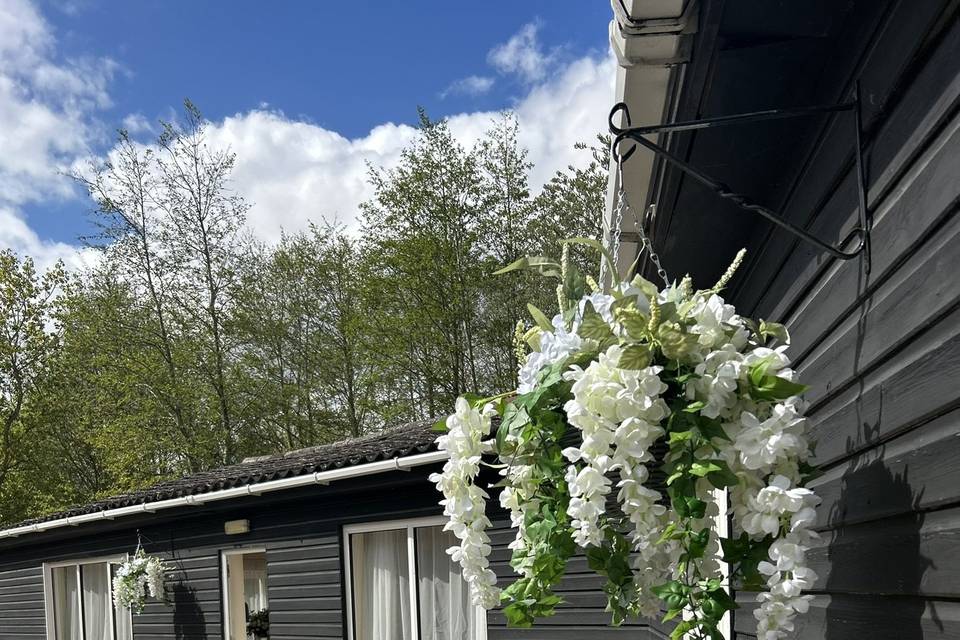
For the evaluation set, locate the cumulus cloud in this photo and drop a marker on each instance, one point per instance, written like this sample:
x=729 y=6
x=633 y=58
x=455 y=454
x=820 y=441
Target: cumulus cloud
x=521 y=55
x=469 y=86
x=294 y=172
x=137 y=123
x=45 y=120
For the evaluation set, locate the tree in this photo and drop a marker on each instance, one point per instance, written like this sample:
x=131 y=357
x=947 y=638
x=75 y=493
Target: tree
x=421 y=245
x=572 y=204
x=29 y=340
x=302 y=318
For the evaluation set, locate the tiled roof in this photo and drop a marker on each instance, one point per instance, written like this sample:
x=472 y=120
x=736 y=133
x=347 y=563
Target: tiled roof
x=409 y=439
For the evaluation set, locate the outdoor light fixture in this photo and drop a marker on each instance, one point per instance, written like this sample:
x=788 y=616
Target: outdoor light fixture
x=236 y=527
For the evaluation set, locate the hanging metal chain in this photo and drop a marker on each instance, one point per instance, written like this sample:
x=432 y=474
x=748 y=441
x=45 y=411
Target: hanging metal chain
x=622 y=206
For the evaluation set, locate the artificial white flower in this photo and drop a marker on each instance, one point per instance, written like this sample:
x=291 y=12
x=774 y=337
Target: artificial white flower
x=763 y=512
x=465 y=503
x=761 y=444
x=554 y=346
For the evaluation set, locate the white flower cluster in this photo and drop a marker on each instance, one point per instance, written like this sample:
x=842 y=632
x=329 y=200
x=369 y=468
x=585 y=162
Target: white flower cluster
x=136 y=578
x=554 y=346
x=517 y=497
x=775 y=509
x=465 y=503
x=618 y=412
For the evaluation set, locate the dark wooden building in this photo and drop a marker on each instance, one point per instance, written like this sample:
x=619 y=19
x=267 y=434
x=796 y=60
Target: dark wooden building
x=877 y=337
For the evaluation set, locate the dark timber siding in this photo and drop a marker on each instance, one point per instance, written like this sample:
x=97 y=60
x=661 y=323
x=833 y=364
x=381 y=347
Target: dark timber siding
x=881 y=351
x=301 y=531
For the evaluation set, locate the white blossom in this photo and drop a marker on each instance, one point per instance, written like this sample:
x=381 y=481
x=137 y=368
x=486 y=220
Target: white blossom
x=465 y=503
x=762 y=444
x=554 y=346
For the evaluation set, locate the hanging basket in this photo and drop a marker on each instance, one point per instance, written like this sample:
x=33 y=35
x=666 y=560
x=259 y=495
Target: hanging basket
x=626 y=371
x=138 y=577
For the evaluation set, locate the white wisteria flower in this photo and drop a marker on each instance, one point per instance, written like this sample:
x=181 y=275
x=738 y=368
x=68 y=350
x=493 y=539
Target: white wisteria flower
x=465 y=503
x=136 y=578
x=615 y=376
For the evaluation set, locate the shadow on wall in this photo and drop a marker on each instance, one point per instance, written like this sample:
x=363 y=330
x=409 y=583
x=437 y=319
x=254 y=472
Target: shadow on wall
x=188 y=622
x=880 y=561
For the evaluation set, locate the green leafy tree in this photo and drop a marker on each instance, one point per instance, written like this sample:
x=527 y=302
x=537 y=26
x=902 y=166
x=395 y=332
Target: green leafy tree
x=29 y=340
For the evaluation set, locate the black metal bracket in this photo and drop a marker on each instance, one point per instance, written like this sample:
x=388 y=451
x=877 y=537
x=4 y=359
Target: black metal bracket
x=637 y=135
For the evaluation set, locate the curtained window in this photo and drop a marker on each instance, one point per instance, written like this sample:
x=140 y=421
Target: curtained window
x=404 y=586
x=79 y=602
x=244 y=574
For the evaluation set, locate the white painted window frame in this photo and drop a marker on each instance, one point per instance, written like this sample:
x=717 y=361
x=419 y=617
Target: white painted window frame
x=410 y=525
x=49 y=604
x=224 y=584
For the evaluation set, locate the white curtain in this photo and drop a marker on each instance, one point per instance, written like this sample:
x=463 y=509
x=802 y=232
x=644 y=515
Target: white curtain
x=255 y=582
x=66 y=599
x=121 y=616
x=381 y=585
x=96 y=602
x=445 y=610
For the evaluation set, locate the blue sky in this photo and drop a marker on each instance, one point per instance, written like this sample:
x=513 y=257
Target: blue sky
x=304 y=92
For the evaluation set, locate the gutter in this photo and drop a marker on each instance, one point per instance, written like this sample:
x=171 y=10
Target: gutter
x=404 y=463
x=652 y=40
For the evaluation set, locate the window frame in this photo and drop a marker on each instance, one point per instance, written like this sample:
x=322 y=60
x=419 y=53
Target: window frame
x=49 y=606
x=224 y=584
x=410 y=525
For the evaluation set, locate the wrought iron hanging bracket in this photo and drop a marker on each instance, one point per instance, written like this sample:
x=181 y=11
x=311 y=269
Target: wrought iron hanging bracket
x=637 y=135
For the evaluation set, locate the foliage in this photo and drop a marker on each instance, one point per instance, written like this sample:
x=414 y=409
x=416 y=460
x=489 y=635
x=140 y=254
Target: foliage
x=186 y=345
x=29 y=343
x=626 y=372
x=258 y=624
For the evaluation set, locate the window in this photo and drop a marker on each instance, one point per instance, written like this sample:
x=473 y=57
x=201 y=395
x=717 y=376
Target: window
x=402 y=585
x=244 y=590
x=78 y=599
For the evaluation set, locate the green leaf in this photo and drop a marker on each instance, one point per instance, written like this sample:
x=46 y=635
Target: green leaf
x=712 y=428
x=574 y=285
x=440 y=425
x=701 y=469
x=634 y=323
x=540 y=318
x=635 y=356
x=694 y=407
x=593 y=325
x=772 y=387
x=681 y=629
x=723 y=477
x=590 y=242
x=774 y=330
x=671 y=614
x=648 y=288
x=544 y=266
x=674 y=342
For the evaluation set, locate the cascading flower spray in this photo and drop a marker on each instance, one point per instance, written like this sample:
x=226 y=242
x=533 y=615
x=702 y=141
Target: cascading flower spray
x=626 y=374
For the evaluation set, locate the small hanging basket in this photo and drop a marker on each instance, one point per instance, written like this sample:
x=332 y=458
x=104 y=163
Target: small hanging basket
x=140 y=576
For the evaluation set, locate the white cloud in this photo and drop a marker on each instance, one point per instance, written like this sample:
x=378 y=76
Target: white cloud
x=295 y=172
x=137 y=123
x=469 y=86
x=45 y=122
x=521 y=55
x=16 y=234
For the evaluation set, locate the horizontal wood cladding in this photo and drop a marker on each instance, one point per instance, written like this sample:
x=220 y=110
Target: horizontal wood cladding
x=865 y=616
x=302 y=539
x=21 y=604
x=880 y=348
